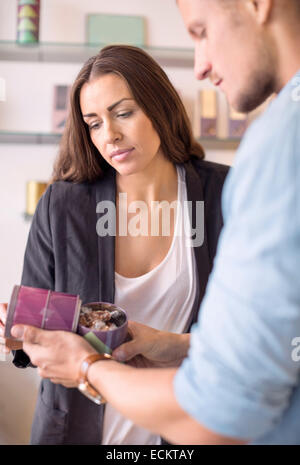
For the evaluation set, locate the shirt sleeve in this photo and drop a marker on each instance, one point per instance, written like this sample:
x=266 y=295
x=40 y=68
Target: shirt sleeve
x=239 y=378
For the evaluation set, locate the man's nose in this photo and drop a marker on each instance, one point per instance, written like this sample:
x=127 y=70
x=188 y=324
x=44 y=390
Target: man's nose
x=202 y=65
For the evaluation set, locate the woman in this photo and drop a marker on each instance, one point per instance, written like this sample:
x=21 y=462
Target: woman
x=127 y=137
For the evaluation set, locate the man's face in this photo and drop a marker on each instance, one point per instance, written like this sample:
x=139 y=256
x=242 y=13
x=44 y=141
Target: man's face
x=232 y=49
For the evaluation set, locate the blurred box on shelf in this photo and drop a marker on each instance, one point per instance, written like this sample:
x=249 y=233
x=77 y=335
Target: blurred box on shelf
x=34 y=191
x=207 y=113
x=237 y=124
x=115 y=29
x=187 y=103
x=60 y=107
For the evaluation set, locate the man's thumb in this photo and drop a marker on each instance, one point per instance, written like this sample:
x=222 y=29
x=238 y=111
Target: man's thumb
x=17 y=331
x=126 y=351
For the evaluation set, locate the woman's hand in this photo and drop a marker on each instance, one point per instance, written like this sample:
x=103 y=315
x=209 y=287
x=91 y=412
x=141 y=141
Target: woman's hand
x=57 y=354
x=152 y=348
x=6 y=345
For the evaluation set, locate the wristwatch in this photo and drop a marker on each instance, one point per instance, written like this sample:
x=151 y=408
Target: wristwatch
x=83 y=384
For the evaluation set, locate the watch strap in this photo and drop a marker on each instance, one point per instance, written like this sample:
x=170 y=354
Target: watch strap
x=83 y=384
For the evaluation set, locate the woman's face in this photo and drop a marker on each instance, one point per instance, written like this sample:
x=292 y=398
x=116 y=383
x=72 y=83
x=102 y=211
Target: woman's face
x=119 y=129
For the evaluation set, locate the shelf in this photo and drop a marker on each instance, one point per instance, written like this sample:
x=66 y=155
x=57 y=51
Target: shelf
x=51 y=138
x=50 y=52
x=220 y=144
x=7 y=137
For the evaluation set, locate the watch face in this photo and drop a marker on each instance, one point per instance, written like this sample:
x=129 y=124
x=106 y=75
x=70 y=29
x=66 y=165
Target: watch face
x=90 y=393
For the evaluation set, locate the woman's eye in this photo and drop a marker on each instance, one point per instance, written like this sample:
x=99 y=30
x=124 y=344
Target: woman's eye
x=125 y=115
x=94 y=126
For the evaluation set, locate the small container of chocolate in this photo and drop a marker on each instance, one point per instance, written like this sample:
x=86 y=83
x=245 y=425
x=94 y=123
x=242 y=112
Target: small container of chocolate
x=42 y=308
x=106 y=321
x=51 y=310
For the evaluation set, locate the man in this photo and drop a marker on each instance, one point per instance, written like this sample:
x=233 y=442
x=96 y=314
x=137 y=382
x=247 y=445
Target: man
x=239 y=383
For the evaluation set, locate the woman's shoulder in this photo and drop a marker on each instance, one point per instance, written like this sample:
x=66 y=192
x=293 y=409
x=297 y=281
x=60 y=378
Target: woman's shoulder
x=60 y=191
x=59 y=187
x=79 y=195
x=209 y=168
x=211 y=175
x=61 y=194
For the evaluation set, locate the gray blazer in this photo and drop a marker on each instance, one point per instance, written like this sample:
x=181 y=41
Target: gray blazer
x=65 y=254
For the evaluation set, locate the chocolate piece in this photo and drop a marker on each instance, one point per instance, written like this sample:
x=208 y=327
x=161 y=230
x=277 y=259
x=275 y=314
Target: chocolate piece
x=99 y=318
x=118 y=317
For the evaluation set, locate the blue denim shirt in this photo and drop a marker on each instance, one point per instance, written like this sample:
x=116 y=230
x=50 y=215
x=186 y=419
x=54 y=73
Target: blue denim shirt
x=240 y=378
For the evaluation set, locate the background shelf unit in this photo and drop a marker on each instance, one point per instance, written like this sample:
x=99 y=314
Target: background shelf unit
x=78 y=53
x=52 y=138
x=52 y=52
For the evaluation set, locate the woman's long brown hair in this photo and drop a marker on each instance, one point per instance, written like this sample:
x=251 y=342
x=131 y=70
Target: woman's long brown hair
x=79 y=160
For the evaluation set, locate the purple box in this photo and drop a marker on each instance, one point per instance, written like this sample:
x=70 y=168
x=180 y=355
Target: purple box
x=112 y=338
x=52 y=310
x=42 y=308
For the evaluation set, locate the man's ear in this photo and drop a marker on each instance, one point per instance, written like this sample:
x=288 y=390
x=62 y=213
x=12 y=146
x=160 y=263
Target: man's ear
x=260 y=9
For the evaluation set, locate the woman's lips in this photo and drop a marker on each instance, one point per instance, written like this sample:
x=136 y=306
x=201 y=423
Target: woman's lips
x=121 y=155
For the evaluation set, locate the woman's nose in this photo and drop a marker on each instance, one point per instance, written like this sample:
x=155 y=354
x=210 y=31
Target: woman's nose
x=112 y=134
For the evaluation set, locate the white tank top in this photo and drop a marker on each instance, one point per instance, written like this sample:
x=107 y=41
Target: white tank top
x=163 y=299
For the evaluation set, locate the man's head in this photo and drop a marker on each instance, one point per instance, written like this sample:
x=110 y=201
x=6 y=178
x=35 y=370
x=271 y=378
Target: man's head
x=238 y=45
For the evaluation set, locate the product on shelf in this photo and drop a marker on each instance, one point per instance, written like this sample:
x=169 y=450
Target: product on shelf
x=28 y=20
x=60 y=107
x=34 y=191
x=237 y=124
x=208 y=103
x=115 y=29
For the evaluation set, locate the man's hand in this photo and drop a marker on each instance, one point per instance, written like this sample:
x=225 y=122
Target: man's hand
x=57 y=354
x=152 y=348
x=6 y=345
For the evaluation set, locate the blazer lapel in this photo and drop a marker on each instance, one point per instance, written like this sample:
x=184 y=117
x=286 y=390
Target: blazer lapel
x=195 y=193
x=106 y=192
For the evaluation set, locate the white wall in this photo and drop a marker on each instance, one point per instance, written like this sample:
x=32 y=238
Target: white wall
x=18 y=388
x=28 y=108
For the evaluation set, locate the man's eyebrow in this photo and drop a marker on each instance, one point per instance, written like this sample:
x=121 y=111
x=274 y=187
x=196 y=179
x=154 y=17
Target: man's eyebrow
x=110 y=108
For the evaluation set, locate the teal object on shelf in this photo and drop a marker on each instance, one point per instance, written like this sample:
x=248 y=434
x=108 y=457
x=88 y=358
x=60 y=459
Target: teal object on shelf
x=28 y=20
x=115 y=29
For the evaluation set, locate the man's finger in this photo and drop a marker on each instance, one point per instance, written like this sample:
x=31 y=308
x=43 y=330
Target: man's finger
x=63 y=382
x=133 y=327
x=28 y=334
